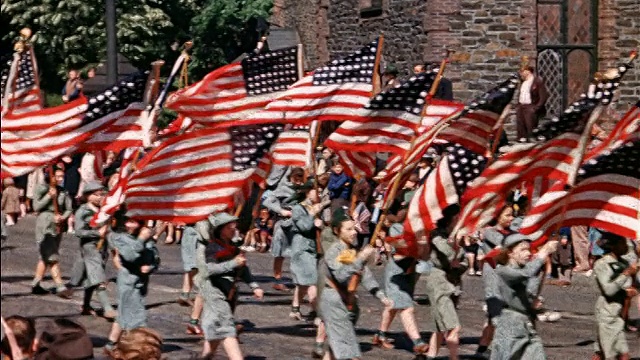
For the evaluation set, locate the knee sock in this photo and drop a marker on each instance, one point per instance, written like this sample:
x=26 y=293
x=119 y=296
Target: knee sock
x=88 y=293
x=418 y=341
x=104 y=299
x=382 y=334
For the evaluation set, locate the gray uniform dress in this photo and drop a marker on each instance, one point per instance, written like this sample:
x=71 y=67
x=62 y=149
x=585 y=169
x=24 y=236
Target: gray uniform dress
x=441 y=283
x=93 y=260
x=277 y=201
x=217 y=273
x=611 y=282
x=3 y=227
x=131 y=282
x=515 y=336
x=400 y=281
x=192 y=235
x=46 y=232
x=339 y=321
x=304 y=253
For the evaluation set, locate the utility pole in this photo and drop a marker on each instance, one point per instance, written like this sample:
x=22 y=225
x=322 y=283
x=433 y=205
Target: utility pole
x=112 y=46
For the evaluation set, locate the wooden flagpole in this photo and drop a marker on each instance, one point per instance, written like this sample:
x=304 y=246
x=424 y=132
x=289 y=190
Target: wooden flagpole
x=397 y=182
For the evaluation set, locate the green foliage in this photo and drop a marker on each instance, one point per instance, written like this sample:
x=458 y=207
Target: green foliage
x=165 y=118
x=52 y=99
x=218 y=30
x=71 y=33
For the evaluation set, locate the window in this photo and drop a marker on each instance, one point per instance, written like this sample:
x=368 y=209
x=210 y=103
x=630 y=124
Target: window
x=567 y=48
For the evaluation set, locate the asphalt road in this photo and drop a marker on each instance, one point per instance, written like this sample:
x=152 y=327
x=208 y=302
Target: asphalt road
x=271 y=334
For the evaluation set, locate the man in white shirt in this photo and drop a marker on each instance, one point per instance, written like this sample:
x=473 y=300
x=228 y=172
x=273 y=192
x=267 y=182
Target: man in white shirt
x=531 y=102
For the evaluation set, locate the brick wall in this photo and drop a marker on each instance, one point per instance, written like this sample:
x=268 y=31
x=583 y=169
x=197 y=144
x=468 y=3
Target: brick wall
x=489 y=36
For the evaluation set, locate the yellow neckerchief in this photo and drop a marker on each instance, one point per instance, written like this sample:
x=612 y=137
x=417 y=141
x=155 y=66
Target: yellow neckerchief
x=348 y=255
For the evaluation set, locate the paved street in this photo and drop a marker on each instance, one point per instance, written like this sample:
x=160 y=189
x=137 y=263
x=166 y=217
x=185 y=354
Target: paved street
x=271 y=334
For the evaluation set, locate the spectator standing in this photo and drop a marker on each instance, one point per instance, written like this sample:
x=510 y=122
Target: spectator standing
x=73 y=87
x=10 y=201
x=339 y=187
x=531 y=102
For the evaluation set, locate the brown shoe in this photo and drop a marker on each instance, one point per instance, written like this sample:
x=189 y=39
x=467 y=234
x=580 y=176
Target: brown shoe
x=65 y=294
x=382 y=342
x=421 y=349
x=193 y=329
x=239 y=329
x=280 y=287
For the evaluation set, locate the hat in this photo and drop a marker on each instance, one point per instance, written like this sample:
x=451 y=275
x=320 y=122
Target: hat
x=92 y=186
x=221 y=219
x=65 y=339
x=395 y=229
x=514 y=239
x=391 y=69
x=338 y=217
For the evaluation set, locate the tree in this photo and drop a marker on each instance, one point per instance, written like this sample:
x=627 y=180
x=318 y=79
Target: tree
x=219 y=30
x=71 y=33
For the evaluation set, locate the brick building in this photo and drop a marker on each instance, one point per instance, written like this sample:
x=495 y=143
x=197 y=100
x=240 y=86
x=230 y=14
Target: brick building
x=568 y=39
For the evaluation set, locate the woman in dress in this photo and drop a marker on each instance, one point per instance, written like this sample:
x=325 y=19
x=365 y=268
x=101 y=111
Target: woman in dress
x=518 y=285
x=345 y=267
x=442 y=281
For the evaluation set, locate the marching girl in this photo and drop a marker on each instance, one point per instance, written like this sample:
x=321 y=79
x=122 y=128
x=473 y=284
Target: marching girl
x=338 y=303
x=518 y=284
x=195 y=239
x=449 y=264
x=304 y=252
x=614 y=276
x=136 y=257
x=400 y=281
x=220 y=266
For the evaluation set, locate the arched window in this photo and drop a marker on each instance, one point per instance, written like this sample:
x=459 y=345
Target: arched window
x=567 y=48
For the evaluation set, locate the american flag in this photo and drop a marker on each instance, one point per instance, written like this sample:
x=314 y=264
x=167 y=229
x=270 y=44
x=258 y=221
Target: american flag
x=606 y=196
x=337 y=91
x=476 y=126
x=293 y=147
x=553 y=159
x=192 y=175
x=625 y=127
x=391 y=121
x=234 y=92
x=554 y=156
x=20 y=90
x=469 y=135
x=444 y=186
x=36 y=139
x=116 y=197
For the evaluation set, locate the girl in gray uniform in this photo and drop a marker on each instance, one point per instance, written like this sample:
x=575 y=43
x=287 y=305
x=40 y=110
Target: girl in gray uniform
x=94 y=259
x=48 y=231
x=304 y=252
x=279 y=201
x=400 y=281
x=338 y=306
x=218 y=270
x=137 y=257
x=194 y=240
x=449 y=263
x=614 y=276
x=518 y=284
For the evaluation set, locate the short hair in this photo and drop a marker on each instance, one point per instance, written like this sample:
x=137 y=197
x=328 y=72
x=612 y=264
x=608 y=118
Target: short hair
x=24 y=329
x=296 y=171
x=139 y=344
x=529 y=68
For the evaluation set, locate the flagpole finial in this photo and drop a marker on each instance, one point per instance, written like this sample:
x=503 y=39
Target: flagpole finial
x=21 y=44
